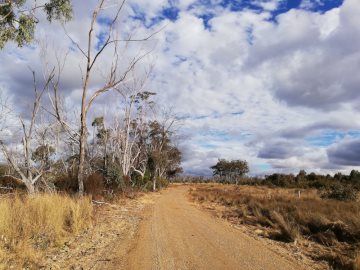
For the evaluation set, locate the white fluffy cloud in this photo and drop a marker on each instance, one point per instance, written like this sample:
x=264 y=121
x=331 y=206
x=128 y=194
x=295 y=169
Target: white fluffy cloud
x=246 y=86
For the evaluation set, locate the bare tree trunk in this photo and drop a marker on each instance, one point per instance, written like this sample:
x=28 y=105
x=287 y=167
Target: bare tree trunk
x=83 y=135
x=82 y=158
x=105 y=153
x=30 y=187
x=84 y=106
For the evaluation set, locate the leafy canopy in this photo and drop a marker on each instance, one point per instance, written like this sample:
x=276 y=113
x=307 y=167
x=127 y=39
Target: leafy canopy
x=231 y=169
x=18 y=20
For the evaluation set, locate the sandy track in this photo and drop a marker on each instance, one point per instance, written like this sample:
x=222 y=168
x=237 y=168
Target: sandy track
x=177 y=235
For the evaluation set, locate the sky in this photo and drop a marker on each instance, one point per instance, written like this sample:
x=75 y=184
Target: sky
x=273 y=82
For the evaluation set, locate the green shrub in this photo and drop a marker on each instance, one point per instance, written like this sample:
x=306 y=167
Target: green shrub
x=340 y=192
x=161 y=183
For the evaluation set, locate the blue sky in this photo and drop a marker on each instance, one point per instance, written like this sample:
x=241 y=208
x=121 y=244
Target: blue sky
x=170 y=11
x=272 y=82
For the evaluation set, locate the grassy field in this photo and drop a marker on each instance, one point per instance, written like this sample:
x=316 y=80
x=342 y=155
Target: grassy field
x=31 y=225
x=325 y=230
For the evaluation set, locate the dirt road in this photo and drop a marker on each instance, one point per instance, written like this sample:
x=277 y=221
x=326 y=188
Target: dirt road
x=177 y=235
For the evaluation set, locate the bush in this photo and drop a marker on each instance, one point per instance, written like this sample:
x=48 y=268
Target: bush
x=66 y=183
x=10 y=184
x=94 y=185
x=340 y=192
x=161 y=183
x=114 y=177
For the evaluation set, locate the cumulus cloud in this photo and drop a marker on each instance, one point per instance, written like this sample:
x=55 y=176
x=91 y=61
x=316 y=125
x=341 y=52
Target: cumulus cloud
x=309 y=66
x=262 y=81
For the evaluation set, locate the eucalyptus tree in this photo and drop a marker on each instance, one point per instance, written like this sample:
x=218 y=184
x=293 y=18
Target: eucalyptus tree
x=128 y=133
x=116 y=74
x=164 y=156
x=101 y=142
x=18 y=18
x=230 y=170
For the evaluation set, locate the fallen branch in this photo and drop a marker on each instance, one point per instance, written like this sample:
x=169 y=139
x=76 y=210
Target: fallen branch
x=100 y=203
x=7 y=188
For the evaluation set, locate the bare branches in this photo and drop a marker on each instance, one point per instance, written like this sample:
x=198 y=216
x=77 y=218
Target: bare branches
x=75 y=43
x=108 y=38
x=29 y=174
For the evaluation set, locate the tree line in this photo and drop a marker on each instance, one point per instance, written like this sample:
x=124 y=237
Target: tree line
x=339 y=186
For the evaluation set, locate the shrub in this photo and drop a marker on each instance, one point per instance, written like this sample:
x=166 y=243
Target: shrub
x=94 y=185
x=10 y=184
x=114 y=177
x=340 y=192
x=161 y=183
x=66 y=183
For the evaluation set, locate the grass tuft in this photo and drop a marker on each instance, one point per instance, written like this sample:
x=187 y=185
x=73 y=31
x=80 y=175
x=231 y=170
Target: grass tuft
x=30 y=224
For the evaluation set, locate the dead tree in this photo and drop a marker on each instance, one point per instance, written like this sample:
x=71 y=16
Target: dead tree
x=114 y=78
x=25 y=168
x=127 y=132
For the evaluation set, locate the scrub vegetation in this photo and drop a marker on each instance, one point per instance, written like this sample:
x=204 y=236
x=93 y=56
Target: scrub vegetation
x=327 y=230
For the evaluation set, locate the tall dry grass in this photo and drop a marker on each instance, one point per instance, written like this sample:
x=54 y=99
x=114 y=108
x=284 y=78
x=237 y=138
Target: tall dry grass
x=333 y=226
x=357 y=262
x=30 y=225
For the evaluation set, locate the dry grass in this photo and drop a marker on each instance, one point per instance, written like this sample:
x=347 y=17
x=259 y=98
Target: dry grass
x=357 y=262
x=331 y=227
x=30 y=225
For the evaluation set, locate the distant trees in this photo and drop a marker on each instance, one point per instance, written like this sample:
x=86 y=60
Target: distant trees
x=129 y=131
x=339 y=186
x=231 y=170
x=354 y=176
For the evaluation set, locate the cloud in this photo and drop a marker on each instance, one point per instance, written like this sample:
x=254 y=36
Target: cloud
x=305 y=63
x=345 y=153
x=265 y=81
x=279 y=150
